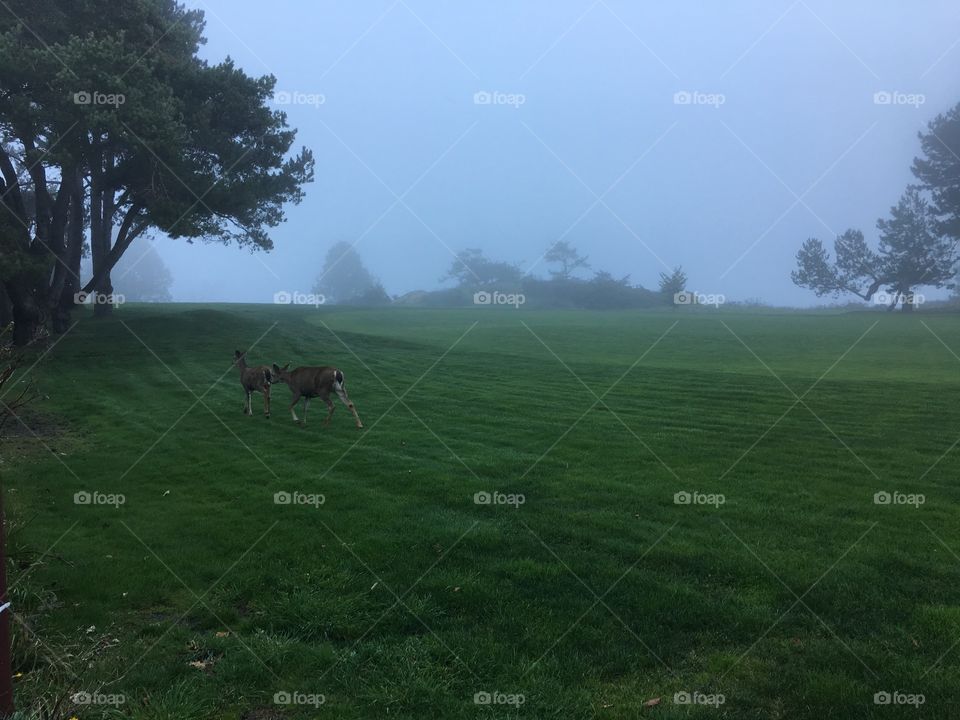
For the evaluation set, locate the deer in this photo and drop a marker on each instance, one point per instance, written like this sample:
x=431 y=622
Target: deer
x=255 y=378
x=311 y=382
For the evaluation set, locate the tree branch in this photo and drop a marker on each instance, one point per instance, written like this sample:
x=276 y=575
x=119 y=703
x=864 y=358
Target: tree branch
x=132 y=227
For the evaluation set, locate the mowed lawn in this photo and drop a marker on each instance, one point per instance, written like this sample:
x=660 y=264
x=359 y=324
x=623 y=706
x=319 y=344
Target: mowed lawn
x=400 y=596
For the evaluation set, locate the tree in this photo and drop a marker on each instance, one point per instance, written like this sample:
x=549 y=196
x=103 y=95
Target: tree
x=914 y=250
x=344 y=277
x=56 y=130
x=113 y=122
x=856 y=269
x=567 y=257
x=912 y=253
x=472 y=269
x=143 y=276
x=670 y=285
x=938 y=171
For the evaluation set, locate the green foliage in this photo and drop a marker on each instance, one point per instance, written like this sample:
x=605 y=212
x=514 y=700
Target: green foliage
x=911 y=253
x=670 y=285
x=568 y=259
x=913 y=249
x=856 y=267
x=472 y=269
x=938 y=170
x=111 y=101
x=918 y=240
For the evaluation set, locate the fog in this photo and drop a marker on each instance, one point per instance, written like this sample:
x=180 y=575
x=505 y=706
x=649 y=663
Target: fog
x=649 y=135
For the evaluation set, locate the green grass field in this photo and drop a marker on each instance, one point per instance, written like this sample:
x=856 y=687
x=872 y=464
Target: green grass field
x=400 y=596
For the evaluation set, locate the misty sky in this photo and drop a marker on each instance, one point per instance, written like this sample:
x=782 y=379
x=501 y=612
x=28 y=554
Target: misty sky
x=783 y=139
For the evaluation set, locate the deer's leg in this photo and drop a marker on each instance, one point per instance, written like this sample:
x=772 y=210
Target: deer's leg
x=306 y=404
x=266 y=400
x=330 y=408
x=246 y=408
x=342 y=394
x=293 y=404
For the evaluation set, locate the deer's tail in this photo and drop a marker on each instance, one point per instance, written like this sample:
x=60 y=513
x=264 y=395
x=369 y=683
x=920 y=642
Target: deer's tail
x=339 y=377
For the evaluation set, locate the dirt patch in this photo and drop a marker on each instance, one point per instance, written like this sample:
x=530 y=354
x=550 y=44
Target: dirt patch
x=33 y=423
x=32 y=431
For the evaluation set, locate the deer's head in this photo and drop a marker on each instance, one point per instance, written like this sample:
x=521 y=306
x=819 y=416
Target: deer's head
x=281 y=374
x=239 y=358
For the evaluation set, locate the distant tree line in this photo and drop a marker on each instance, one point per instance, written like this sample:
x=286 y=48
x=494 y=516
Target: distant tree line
x=917 y=245
x=346 y=280
x=473 y=272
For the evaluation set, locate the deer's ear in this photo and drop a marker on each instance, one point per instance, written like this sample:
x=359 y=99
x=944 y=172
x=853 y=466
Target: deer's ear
x=237 y=353
x=286 y=367
x=276 y=369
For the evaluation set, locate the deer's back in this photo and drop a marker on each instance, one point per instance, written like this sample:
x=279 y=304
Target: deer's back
x=254 y=378
x=314 y=380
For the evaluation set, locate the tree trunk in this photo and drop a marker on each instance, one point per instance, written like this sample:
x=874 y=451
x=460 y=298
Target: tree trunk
x=67 y=301
x=28 y=291
x=65 y=273
x=15 y=225
x=27 y=316
x=6 y=309
x=102 y=210
x=908 y=304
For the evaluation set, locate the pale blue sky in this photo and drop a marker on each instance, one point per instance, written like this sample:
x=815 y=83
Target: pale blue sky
x=712 y=188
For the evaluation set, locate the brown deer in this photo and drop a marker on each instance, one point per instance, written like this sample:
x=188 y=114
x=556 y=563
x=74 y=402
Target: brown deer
x=311 y=382
x=255 y=378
